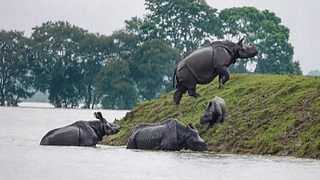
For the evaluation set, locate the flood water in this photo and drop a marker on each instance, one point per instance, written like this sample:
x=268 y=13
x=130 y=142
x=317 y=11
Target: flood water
x=21 y=157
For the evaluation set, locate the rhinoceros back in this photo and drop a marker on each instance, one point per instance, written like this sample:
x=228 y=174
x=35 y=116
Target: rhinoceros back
x=67 y=136
x=150 y=137
x=220 y=105
x=200 y=64
x=219 y=100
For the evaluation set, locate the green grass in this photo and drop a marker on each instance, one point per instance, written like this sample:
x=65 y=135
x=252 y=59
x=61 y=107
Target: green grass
x=266 y=114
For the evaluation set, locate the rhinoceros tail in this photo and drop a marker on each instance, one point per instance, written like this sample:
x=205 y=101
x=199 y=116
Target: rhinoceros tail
x=174 y=76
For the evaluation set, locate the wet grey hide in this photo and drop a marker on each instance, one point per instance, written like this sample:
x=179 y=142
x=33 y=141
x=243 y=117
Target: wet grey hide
x=81 y=133
x=167 y=135
x=215 y=112
x=203 y=65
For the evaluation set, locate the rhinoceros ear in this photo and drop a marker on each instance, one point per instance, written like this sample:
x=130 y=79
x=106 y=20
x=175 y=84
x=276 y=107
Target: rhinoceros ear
x=115 y=121
x=242 y=40
x=98 y=115
x=190 y=125
x=210 y=104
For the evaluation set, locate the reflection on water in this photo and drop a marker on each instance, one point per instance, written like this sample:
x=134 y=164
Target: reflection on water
x=22 y=158
x=35 y=105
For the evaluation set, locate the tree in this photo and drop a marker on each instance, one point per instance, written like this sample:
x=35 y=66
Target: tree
x=57 y=62
x=186 y=23
x=297 y=67
x=15 y=75
x=239 y=67
x=264 y=29
x=144 y=29
x=315 y=72
x=152 y=68
x=122 y=45
x=114 y=84
x=95 y=53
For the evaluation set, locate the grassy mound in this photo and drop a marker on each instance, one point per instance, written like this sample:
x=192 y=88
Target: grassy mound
x=266 y=114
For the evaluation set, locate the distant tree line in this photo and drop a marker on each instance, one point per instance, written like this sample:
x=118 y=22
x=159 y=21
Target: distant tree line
x=315 y=72
x=136 y=63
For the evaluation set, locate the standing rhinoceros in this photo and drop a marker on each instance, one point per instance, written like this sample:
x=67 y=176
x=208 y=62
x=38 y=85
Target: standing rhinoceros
x=168 y=135
x=203 y=65
x=215 y=112
x=81 y=133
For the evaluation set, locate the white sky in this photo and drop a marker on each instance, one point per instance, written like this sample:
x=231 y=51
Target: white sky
x=106 y=16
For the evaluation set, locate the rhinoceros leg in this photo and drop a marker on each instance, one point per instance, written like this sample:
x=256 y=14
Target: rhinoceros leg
x=178 y=94
x=224 y=75
x=186 y=82
x=191 y=86
x=192 y=92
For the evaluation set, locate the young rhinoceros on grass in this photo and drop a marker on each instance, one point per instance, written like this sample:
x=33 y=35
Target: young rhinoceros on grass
x=215 y=112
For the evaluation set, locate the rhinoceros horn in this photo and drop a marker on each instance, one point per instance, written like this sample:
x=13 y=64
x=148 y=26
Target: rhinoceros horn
x=242 y=40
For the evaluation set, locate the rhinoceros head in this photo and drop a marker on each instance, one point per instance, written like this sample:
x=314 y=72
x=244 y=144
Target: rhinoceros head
x=245 y=51
x=194 y=141
x=108 y=128
x=112 y=128
x=209 y=113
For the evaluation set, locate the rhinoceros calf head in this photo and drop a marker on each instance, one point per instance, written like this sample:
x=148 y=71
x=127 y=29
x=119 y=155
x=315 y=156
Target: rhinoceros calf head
x=194 y=141
x=209 y=112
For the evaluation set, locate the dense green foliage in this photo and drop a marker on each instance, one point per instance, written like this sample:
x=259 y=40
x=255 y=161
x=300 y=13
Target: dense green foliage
x=185 y=23
x=57 y=62
x=264 y=29
x=116 y=81
x=152 y=66
x=15 y=78
x=266 y=114
x=70 y=64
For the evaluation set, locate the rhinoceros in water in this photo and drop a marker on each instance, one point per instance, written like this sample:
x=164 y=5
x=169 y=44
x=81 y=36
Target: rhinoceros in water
x=215 y=112
x=81 y=133
x=167 y=135
x=203 y=65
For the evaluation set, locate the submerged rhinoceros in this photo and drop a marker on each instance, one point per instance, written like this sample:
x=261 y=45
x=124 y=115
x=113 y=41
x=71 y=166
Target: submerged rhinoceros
x=81 y=133
x=215 y=112
x=203 y=65
x=167 y=135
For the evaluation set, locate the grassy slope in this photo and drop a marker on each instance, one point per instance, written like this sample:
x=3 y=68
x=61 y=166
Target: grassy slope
x=266 y=114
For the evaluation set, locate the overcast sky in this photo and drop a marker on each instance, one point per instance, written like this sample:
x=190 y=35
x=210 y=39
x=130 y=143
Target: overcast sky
x=106 y=16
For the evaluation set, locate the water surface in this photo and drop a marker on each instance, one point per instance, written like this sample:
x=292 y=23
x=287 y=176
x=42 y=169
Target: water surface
x=21 y=157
